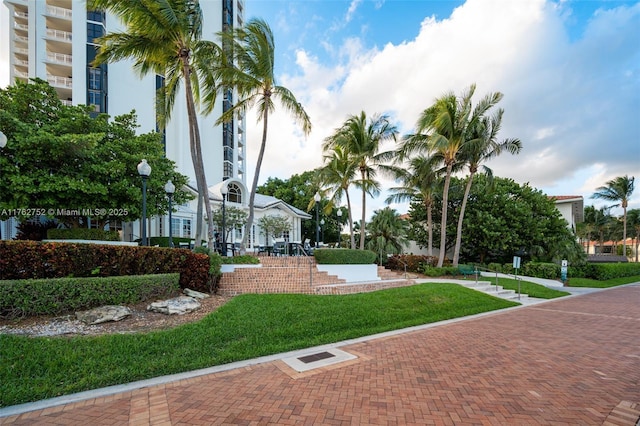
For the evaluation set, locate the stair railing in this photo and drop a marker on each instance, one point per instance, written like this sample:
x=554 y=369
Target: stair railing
x=479 y=268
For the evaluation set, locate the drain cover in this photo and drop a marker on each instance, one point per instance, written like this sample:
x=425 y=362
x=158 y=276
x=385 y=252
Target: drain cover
x=316 y=357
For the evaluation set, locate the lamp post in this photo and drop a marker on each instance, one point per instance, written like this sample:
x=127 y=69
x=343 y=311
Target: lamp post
x=224 y=191
x=317 y=200
x=170 y=188
x=322 y=229
x=144 y=170
x=3 y=143
x=339 y=213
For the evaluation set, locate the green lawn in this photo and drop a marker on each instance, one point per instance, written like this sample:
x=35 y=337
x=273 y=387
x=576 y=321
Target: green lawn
x=247 y=327
x=587 y=282
x=529 y=288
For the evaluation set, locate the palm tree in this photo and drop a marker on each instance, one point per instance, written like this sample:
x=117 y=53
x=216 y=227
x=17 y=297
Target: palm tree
x=445 y=128
x=618 y=190
x=251 y=71
x=633 y=216
x=418 y=180
x=165 y=38
x=482 y=147
x=337 y=174
x=361 y=140
x=387 y=232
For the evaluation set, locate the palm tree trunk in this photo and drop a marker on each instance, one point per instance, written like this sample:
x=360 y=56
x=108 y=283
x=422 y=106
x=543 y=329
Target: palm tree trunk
x=198 y=164
x=353 y=239
x=624 y=230
x=456 y=251
x=443 y=221
x=364 y=213
x=427 y=206
x=254 y=185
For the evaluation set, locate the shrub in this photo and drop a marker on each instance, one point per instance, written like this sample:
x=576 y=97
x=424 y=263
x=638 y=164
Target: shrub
x=34 y=230
x=414 y=263
x=607 y=271
x=164 y=241
x=82 y=234
x=338 y=256
x=433 y=271
x=34 y=260
x=541 y=270
x=494 y=267
x=245 y=259
x=64 y=295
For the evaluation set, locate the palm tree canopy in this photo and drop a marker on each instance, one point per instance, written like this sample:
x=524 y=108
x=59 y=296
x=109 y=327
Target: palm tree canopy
x=163 y=37
x=617 y=190
x=251 y=71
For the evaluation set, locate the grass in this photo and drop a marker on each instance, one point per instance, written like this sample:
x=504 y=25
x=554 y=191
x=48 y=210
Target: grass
x=587 y=282
x=248 y=326
x=529 y=288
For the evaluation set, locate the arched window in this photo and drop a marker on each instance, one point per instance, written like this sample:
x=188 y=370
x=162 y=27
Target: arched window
x=235 y=193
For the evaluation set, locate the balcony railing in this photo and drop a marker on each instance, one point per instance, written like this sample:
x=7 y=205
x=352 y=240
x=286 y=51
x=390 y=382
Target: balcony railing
x=21 y=74
x=66 y=102
x=60 y=81
x=22 y=62
x=59 y=12
x=21 y=50
x=21 y=38
x=59 y=35
x=23 y=27
x=19 y=14
x=60 y=58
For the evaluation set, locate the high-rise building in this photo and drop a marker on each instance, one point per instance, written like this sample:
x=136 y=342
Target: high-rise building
x=55 y=40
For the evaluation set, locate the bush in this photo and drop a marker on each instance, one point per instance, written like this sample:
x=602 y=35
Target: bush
x=164 y=241
x=541 y=270
x=34 y=230
x=414 y=263
x=432 y=271
x=35 y=260
x=82 y=234
x=339 y=256
x=607 y=271
x=245 y=259
x=494 y=267
x=64 y=295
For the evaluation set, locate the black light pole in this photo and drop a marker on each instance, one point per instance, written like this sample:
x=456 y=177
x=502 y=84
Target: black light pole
x=322 y=229
x=317 y=200
x=170 y=188
x=339 y=213
x=3 y=143
x=144 y=170
x=224 y=191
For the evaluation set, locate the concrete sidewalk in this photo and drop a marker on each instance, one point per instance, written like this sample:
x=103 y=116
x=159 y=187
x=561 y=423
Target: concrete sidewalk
x=570 y=361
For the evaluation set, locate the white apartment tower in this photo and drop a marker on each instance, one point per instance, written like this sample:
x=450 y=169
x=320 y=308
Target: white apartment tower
x=54 y=40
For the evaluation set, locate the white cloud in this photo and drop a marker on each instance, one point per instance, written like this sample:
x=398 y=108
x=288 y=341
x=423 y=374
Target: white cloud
x=573 y=104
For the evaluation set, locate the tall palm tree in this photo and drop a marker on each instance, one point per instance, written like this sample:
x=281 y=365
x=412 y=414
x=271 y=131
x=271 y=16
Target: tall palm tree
x=165 y=38
x=445 y=128
x=251 y=71
x=482 y=147
x=419 y=179
x=362 y=139
x=618 y=190
x=337 y=174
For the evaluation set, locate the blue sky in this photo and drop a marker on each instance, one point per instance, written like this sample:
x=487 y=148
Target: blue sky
x=569 y=71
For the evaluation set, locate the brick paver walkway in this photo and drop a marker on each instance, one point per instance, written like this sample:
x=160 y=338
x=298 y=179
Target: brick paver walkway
x=568 y=362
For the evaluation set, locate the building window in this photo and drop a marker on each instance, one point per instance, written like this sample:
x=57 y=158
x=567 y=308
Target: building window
x=175 y=227
x=227 y=172
x=95 y=16
x=235 y=193
x=95 y=79
x=94 y=31
x=186 y=228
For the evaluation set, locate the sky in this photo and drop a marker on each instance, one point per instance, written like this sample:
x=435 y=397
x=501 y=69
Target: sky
x=569 y=71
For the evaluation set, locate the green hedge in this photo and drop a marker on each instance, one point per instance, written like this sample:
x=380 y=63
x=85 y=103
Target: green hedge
x=549 y=271
x=607 y=271
x=34 y=260
x=413 y=262
x=65 y=295
x=338 y=256
x=82 y=234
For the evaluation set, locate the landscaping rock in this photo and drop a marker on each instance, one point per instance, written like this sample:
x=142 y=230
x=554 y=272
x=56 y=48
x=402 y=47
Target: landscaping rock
x=195 y=294
x=178 y=305
x=103 y=314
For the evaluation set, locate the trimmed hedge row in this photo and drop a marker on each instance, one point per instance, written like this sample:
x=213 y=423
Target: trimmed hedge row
x=82 y=234
x=605 y=271
x=339 y=256
x=63 y=295
x=36 y=260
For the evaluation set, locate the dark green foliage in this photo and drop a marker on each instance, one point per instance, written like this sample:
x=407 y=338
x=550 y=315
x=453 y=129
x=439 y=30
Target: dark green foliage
x=65 y=295
x=433 y=271
x=33 y=260
x=541 y=270
x=607 y=271
x=164 y=241
x=245 y=259
x=344 y=257
x=413 y=262
x=34 y=230
x=82 y=234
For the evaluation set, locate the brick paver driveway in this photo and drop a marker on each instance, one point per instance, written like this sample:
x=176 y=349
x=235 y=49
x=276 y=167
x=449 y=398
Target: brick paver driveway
x=574 y=361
